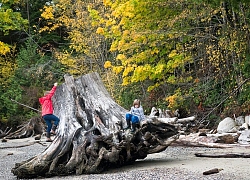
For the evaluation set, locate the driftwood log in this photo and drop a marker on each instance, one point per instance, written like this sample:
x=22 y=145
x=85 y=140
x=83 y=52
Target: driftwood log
x=90 y=137
x=34 y=127
x=212 y=171
x=226 y=155
x=5 y=132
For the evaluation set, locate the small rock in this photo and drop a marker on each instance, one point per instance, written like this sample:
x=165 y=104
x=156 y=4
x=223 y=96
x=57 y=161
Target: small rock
x=38 y=137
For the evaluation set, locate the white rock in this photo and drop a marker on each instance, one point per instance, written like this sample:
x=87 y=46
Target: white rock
x=247 y=118
x=240 y=120
x=245 y=126
x=244 y=137
x=227 y=125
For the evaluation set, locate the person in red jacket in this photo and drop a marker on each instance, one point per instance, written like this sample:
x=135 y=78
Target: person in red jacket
x=47 y=112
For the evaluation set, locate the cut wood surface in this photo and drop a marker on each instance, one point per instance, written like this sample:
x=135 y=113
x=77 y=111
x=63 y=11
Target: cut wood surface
x=90 y=137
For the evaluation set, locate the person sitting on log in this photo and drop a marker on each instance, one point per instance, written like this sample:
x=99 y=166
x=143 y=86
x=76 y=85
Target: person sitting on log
x=135 y=115
x=47 y=112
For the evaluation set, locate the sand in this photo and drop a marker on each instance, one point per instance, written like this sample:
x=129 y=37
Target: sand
x=173 y=163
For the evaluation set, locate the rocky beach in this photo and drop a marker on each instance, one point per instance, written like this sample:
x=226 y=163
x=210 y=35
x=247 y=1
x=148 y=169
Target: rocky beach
x=175 y=163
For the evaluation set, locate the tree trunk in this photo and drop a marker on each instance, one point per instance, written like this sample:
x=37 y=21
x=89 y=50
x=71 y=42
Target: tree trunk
x=90 y=137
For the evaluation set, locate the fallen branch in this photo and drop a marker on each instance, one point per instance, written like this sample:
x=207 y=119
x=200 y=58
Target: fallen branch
x=18 y=146
x=230 y=155
x=187 y=119
x=212 y=171
x=5 y=132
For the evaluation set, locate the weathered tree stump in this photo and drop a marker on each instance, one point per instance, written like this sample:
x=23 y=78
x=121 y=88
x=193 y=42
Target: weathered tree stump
x=90 y=137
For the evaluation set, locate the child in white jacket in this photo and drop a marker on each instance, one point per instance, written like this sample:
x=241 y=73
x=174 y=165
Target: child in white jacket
x=135 y=115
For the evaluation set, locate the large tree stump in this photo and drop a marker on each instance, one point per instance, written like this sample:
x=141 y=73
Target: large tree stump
x=90 y=137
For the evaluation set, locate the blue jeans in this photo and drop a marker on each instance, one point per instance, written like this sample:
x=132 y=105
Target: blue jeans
x=48 y=119
x=132 y=118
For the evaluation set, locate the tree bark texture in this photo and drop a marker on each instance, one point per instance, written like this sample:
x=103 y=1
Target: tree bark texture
x=90 y=137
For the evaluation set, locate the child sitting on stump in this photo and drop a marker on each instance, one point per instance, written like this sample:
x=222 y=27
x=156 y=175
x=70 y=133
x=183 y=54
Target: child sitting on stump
x=135 y=115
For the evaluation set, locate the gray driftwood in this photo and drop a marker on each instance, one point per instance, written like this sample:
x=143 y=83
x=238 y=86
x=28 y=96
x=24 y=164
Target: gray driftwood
x=226 y=155
x=33 y=128
x=90 y=137
x=5 y=132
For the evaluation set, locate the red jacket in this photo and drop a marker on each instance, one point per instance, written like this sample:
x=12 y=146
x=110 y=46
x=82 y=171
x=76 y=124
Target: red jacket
x=46 y=102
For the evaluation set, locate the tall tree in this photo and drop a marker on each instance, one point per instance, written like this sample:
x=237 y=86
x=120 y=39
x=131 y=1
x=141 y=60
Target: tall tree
x=10 y=20
x=147 y=40
x=87 y=50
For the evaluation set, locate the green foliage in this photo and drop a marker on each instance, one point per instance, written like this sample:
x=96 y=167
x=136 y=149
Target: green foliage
x=177 y=53
x=11 y=21
x=7 y=107
x=146 y=41
x=129 y=94
x=34 y=73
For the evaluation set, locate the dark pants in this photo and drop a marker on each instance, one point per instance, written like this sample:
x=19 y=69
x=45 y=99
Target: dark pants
x=132 y=119
x=48 y=119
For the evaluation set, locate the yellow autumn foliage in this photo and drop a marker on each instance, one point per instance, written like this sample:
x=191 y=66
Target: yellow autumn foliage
x=107 y=64
x=47 y=13
x=4 y=48
x=7 y=69
x=66 y=59
x=175 y=100
x=117 y=69
x=100 y=30
x=127 y=70
x=125 y=81
x=172 y=54
x=107 y=2
x=121 y=57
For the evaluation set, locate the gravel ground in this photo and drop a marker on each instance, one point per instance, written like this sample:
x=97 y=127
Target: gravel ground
x=175 y=163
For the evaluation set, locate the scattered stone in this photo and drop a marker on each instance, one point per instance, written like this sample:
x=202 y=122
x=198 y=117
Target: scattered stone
x=244 y=137
x=227 y=125
x=38 y=137
x=240 y=120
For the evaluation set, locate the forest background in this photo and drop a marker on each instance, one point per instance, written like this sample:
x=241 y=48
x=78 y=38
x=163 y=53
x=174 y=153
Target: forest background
x=192 y=55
